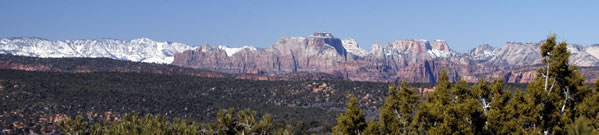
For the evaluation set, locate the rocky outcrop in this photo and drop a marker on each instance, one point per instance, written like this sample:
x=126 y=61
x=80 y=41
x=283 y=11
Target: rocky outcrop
x=320 y=52
x=483 y=52
x=409 y=60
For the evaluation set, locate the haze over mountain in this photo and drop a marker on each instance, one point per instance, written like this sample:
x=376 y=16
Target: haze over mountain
x=412 y=60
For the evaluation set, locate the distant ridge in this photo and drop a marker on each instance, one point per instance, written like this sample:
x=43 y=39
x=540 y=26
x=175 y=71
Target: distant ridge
x=416 y=60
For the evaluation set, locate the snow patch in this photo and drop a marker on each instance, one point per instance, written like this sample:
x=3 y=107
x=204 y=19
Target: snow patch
x=351 y=46
x=437 y=53
x=593 y=50
x=231 y=51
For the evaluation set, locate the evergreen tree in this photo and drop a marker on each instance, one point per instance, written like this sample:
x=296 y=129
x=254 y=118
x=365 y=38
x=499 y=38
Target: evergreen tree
x=408 y=102
x=374 y=127
x=463 y=115
x=184 y=127
x=500 y=113
x=580 y=127
x=247 y=121
x=398 y=109
x=431 y=112
x=389 y=117
x=73 y=127
x=484 y=94
x=556 y=91
x=589 y=108
x=288 y=130
x=353 y=121
x=225 y=121
x=265 y=126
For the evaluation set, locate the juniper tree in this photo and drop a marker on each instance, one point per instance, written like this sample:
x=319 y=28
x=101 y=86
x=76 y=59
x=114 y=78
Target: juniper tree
x=589 y=108
x=398 y=110
x=498 y=114
x=246 y=121
x=374 y=127
x=265 y=125
x=75 y=126
x=430 y=112
x=352 y=122
x=225 y=121
x=389 y=118
x=464 y=113
x=557 y=90
x=408 y=102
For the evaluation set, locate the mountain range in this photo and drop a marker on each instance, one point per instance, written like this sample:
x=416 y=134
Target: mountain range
x=410 y=60
x=139 y=50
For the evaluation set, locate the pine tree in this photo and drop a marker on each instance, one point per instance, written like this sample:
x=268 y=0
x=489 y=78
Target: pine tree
x=77 y=126
x=464 y=115
x=374 y=127
x=580 y=127
x=389 y=118
x=557 y=90
x=431 y=111
x=265 y=126
x=500 y=113
x=398 y=109
x=353 y=121
x=408 y=102
x=246 y=122
x=589 y=108
x=225 y=121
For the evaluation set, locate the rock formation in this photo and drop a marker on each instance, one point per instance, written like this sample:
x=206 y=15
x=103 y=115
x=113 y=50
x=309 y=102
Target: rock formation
x=410 y=60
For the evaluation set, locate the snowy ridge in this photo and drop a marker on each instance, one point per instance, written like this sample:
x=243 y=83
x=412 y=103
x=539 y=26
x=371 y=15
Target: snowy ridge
x=322 y=35
x=140 y=50
x=593 y=50
x=434 y=53
x=351 y=46
x=231 y=51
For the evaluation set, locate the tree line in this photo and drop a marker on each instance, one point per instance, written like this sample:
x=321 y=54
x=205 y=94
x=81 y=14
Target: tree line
x=557 y=102
x=228 y=121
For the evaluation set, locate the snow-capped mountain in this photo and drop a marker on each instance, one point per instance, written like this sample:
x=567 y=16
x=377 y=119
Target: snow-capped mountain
x=521 y=54
x=483 y=52
x=140 y=50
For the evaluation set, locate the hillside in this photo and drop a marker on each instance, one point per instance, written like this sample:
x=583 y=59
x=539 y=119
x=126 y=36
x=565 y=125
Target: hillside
x=38 y=97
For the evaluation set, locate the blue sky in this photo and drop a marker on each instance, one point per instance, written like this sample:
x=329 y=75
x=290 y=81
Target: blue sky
x=463 y=24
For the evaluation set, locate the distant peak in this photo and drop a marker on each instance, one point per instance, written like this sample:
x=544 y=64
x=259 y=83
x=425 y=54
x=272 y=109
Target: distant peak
x=26 y=38
x=485 y=46
x=323 y=35
x=231 y=51
x=143 y=39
